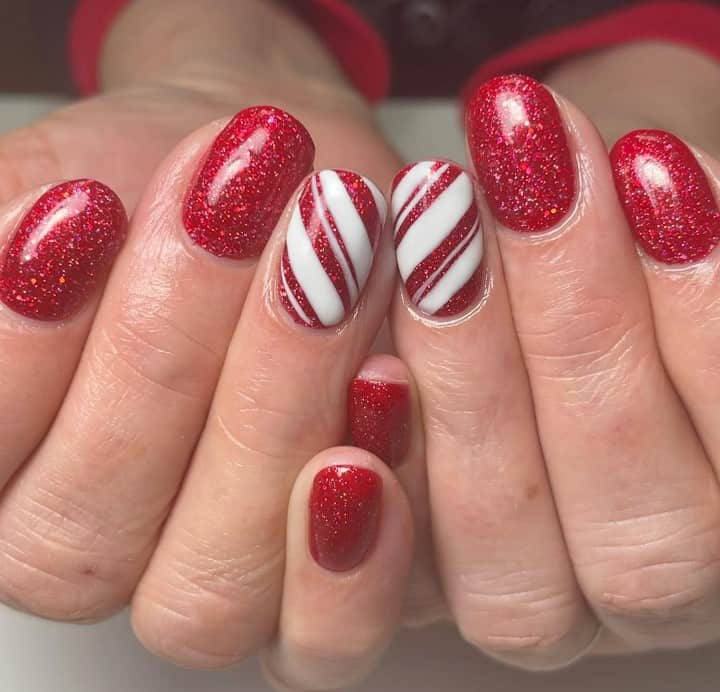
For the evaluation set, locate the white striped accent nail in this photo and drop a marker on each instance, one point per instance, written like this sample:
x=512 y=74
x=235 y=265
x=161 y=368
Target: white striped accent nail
x=330 y=245
x=438 y=237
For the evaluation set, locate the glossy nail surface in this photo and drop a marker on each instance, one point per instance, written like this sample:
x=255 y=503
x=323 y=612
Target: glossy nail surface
x=519 y=147
x=245 y=181
x=379 y=418
x=330 y=245
x=62 y=250
x=344 y=516
x=666 y=196
x=438 y=237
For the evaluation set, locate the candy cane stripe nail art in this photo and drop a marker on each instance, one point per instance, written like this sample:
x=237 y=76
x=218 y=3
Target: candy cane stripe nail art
x=438 y=237
x=330 y=245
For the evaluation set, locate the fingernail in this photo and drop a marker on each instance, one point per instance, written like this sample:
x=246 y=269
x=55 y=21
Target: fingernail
x=330 y=245
x=246 y=180
x=666 y=196
x=62 y=250
x=438 y=237
x=521 y=154
x=379 y=418
x=344 y=516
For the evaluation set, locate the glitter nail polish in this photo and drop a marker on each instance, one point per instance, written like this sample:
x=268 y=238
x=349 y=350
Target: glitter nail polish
x=245 y=181
x=520 y=150
x=438 y=237
x=62 y=250
x=379 y=418
x=666 y=196
x=330 y=245
x=344 y=516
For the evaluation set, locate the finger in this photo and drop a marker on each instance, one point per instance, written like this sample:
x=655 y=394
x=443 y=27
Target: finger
x=78 y=527
x=637 y=497
x=384 y=419
x=350 y=540
x=507 y=577
x=212 y=592
x=669 y=196
x=59 y=244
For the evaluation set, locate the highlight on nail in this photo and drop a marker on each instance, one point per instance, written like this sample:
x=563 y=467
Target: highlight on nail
x=666 y=196
x=521 y=152
x=62 y=250
x=245 y=181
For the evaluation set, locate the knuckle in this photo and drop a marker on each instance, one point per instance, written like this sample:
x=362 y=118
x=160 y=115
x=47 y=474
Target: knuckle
x=528 y=614
x=143 y=349
x=59 y=559
x=585 y=340
x=662 y=574
x=203 y=612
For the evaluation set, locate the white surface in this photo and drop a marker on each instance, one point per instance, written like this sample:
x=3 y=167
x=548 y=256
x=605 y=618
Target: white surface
x=47 y=657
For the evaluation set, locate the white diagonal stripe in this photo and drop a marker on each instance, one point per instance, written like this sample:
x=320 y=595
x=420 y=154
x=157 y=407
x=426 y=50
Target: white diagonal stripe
x=435 y=224
x=310 y=274
x=349 y=224
x=455 y=278
x=403 y=190
x=337 y=250
x=459 y=247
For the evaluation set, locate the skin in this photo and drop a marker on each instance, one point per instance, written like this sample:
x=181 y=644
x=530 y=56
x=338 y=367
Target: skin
x=554 y=551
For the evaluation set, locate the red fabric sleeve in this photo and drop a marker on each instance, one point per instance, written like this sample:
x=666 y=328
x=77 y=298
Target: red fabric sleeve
x=353 y=41
x=694 y=24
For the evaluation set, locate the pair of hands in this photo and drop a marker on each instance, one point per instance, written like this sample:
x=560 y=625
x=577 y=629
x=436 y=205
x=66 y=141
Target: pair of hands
x=566 y=425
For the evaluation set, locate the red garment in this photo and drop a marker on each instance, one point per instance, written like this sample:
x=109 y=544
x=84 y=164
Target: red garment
x=362 y=52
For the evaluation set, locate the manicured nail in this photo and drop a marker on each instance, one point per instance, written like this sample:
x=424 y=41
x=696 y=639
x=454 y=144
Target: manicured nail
x=246 y=180
x=379 y=418
x=62 y=250
x=520 y=151
x=344 y=516
x=331 y=240
x=666 y=196
x=438 y=237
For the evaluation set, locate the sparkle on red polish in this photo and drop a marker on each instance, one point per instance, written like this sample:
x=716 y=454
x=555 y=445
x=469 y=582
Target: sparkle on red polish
x=666 y=195
x=344 y=516
x=330 y=246
x=245 y=181
x=379 y=418
x=519 y=146
x=62 y=249
x=438 y=237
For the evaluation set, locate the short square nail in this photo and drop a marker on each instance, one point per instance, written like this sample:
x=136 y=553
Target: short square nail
x=666 y=195
x=62 y=250
x=379 y=418
x=330 y=246
x=438 y=237
x=521 y=154
x=245 y=181
x=344 y=516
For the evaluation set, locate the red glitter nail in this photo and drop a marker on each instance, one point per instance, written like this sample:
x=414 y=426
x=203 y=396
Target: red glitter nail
x=245 y=181
x=438 y=237
x=344 y=516
x=667 y=198
x=330 y=246
x=379 y=418
x=520 y=150
x=62 y=250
